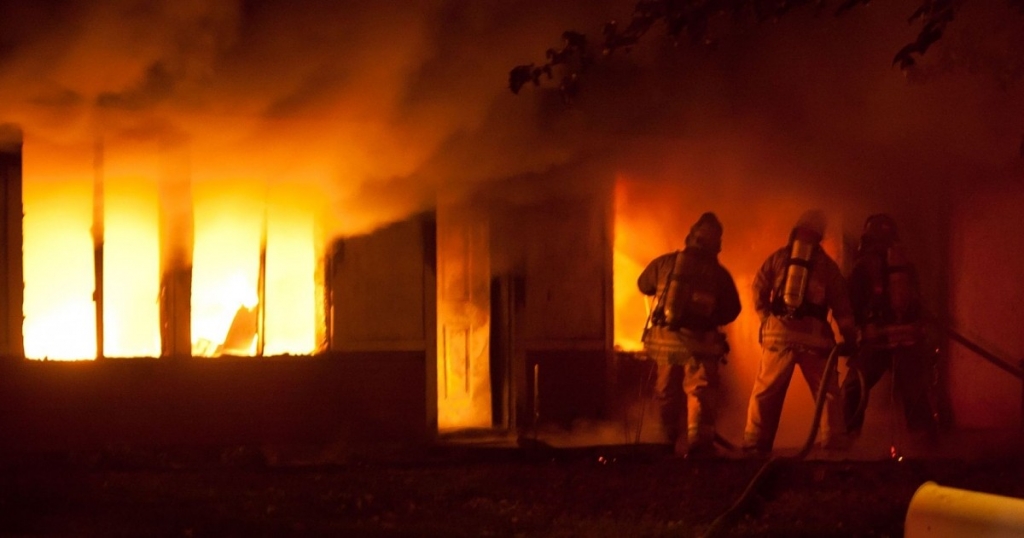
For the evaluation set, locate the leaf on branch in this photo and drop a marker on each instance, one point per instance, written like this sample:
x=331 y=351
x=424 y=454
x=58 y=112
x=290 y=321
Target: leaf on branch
x=518 y=77
x=905 y=56
x=557 y=56
x=924 y=40
x=569 y=88
x=928 y=37
x=617 y=42
x=935 y=15
x=645 y=14
x=574 y=40
x=677 y=25
x=918 y=13
x=695 y=18
x=521 y=74
x=610 y=28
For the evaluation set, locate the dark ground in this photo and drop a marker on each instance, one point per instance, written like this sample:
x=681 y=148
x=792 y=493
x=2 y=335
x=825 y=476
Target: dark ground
x=467 y=490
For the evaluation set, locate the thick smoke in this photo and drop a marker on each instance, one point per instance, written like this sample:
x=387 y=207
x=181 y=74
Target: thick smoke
x=353 y=98
x=386 y=104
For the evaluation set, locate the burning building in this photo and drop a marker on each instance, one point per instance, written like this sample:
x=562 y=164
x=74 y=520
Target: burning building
x=251 y=325
x=266 y=224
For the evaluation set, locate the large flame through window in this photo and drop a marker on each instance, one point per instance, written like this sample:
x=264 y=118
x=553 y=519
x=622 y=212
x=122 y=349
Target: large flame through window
x=636 y=243
x=231 y=218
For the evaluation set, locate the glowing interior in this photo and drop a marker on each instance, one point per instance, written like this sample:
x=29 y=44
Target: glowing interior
x=228 y=216
x=630 y=310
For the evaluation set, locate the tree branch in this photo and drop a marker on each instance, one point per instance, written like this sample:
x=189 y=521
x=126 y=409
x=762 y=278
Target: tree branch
x=691 y=18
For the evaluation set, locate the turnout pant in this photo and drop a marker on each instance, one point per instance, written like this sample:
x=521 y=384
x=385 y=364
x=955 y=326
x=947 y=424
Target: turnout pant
x=769 y=393
x=691 y=385
x=911 y=377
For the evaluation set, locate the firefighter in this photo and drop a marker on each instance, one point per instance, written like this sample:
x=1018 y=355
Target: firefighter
x=794 y=292
x=694 y=296
x=887 y=307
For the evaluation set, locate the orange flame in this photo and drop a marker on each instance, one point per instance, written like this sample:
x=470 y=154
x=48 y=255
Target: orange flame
x=60 y=322
x=632 y=251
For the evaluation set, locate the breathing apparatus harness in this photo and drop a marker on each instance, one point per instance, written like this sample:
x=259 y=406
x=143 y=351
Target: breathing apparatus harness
x=664 y=313
x=898 y=284
x=789 y=297
x=681 y=301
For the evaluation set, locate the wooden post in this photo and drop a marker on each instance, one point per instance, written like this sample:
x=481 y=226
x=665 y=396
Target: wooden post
x=12 y=280
x=321 y=306
x=176 y=241
x=98 y=239
x=261 y=288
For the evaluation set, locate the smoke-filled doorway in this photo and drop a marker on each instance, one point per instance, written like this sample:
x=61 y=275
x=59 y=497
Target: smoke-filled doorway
x=503 y=300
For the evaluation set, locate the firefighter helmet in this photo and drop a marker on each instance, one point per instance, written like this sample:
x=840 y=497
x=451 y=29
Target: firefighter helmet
x=880 y=227
x=813 y=221
x=706 y=233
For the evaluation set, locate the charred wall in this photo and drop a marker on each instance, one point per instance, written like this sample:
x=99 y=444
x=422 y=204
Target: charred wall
x=986 y=304
x=555 y=257
x=369 y=386
x=11 y=272
x=92 y=405
x=382 y=301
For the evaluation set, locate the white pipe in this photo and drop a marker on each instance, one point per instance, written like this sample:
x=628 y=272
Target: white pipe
x=938 y=511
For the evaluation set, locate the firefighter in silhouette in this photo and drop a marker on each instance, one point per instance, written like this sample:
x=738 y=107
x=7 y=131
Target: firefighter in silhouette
x=887 y=307
x=794 y=291
x=694 y=296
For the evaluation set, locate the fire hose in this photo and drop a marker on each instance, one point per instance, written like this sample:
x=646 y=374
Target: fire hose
x=862 y=384
x=819 y=404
